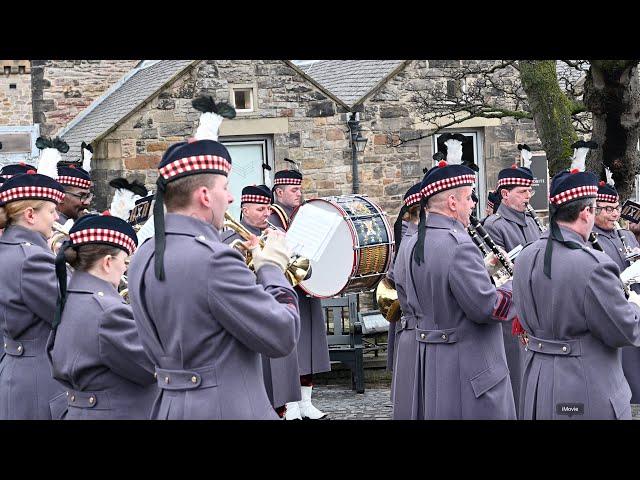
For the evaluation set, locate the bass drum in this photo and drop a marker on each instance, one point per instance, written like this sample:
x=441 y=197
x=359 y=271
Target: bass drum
x=359 y=252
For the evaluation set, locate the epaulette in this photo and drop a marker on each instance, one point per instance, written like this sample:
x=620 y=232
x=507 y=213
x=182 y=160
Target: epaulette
x=203 y=240
x=460 y=235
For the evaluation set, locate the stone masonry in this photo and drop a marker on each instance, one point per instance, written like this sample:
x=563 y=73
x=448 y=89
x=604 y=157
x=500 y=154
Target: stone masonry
x=15 y=93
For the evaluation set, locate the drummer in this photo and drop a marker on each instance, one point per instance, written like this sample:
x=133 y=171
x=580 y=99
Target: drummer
x=313 y=350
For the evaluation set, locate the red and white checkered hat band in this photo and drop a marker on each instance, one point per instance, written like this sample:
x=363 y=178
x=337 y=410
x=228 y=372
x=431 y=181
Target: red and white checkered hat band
x=411 y=199
x=103 y=235
x=489 y=204
x=606 y=198
x=35 y=193
x=254 y=199
x=287 y=181
x=522 y=182
x=197 y=162
x=574 y=193
x=74 y=181
x=447 y=183
x=6 y=176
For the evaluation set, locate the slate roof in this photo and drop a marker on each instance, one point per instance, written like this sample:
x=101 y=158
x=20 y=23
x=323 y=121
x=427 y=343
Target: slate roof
x=119 y=101
x=350 y=80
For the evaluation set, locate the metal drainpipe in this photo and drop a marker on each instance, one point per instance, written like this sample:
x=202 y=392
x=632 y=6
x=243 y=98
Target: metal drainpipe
x=353 y=131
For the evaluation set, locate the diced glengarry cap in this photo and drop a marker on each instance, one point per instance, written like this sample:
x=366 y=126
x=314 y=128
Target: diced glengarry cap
x=607 y=193
x=256 y=194
x=287 y=177
x=515 y=176
x=74 y=176
x=31 y=186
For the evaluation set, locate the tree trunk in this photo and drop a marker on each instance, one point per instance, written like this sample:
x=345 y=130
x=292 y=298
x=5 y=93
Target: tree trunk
x=612 y=95
x=551 y=110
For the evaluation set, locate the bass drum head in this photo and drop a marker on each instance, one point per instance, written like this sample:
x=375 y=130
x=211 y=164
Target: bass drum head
x=331 y=273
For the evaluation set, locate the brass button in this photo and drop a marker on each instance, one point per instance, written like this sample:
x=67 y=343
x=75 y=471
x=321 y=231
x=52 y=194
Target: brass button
x=67 y=394
x=194 y=379
x=564 y=349
x=100 y=294
x=27 y=244
x=454 y=231
x=444 y=336
x=540 y=346
x=19 y=348
x=5 y=345
x=166 y=379
x=91 y=400
x=73 y=398
x=155 y=374
x=422 y=335
x=200 y=237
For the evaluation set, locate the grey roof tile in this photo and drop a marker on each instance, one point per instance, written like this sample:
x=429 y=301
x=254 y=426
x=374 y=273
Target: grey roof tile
x=118 y=102
x=350 y=80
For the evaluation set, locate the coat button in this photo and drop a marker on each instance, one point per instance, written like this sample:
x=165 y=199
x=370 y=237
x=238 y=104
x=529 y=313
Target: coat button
x=540 y=346
x=200 y=237
x=194 y=379
x=67 y=394
x=564 y=349
x=5 y=345
x=166 y=379
x=19 y=348
x=100 y=294
x=444 y=336
x=27 y=244
x=454 y=231
x=422 y=335
x=155 y=374
x=91 y=400
x=73 y=398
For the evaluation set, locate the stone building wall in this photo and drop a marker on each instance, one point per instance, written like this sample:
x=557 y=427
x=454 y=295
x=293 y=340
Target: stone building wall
x=15 y=93
x=63 y=88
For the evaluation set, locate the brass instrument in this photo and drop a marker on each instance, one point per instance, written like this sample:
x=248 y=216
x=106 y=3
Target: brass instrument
x=387 y=300
x=498 y=264
x=532 y=212
x=59 y=236
x=123 y=288
x=630 y=255
x=297 y=270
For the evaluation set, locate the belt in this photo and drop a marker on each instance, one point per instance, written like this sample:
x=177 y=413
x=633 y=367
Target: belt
x=81 y=399
x=447 y=335
x=186 y=379
x=406 y=322
x=24 y=348
x=571 y=348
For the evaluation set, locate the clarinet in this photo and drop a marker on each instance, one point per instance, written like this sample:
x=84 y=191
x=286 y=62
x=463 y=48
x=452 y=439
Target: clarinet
x=629 y=254
x=593 y=239
x=502 y=258
x=473 y=233
x=532 y=212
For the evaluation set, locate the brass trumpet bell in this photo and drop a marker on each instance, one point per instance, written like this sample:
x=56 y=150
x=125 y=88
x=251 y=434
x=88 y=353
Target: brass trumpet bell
x=387 y=300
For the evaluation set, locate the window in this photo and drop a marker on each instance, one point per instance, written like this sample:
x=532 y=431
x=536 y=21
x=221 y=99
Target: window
x=243 y=99
x=19 y=144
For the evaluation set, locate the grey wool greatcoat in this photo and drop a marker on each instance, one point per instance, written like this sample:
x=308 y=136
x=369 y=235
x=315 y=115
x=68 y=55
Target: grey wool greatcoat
x=576 y=322
x=404 y=350
x=313 y=348
x=612 y=246
x=281 y=378
x=510 y=228
x=460 y=366
x=205 y=326
x=27 y=307
x=97 y=355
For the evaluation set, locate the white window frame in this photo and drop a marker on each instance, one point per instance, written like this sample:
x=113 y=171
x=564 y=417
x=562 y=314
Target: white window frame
x=477 y=136
x=253 y=97
x=267 y=151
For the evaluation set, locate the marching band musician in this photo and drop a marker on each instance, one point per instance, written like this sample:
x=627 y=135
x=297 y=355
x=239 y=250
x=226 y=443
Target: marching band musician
x=206 y=346
x=313 y=349
x=94 y=349
x=493 y=202
x=28 y=300
x=6 y=173
x=509 y=227
x=607 y=214
x=76 y=181
x=570 y=301
x=401 y=332
x=446 y=294
x=281 y=377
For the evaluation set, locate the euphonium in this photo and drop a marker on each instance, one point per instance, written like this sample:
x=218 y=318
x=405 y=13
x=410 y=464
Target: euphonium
x=297 y=270
x=60 y=235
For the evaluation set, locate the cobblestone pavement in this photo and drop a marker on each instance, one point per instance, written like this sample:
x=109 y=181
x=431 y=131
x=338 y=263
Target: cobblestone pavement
x=342 y=403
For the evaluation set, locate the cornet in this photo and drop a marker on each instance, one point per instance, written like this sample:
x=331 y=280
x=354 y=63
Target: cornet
x=297 y=270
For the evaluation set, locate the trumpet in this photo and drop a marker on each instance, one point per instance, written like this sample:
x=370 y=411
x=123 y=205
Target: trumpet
x=59 y=236
x=297 y=270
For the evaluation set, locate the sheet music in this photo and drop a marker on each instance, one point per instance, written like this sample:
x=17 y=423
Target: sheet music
x=632 y=271
x=310 y=234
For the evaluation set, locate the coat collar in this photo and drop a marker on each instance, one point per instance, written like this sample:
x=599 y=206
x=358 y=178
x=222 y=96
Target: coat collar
x=606 y=233
x=20 y=234
x=288 y=210
x=567 y=234
x=184 y=225
x=256 y=231
x=437 y=220
x=85 y=282
x=411 y=228
x=512 y=215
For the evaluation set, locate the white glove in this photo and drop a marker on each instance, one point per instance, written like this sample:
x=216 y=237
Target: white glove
x=275 y=252
x=634 y=297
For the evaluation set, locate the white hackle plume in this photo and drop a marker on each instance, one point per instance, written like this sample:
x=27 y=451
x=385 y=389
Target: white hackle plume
x=579 y=158
x=48 y=162
x=454 y=151
x=123 y=202
x=526 y=157
x=609 y=175
x=86 y=159
x=208 y=126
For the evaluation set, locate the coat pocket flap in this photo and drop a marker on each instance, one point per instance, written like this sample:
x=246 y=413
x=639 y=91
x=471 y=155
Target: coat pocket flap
x=58 y=406
x=621 y=402
x=488 y=379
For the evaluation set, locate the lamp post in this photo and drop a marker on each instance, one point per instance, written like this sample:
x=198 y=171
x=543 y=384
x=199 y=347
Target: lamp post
x=358 y=144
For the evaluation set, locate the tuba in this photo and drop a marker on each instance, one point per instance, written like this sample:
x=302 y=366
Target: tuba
x=297 y=270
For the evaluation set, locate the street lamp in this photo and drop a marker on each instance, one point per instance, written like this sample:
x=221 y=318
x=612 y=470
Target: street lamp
x=358 y=144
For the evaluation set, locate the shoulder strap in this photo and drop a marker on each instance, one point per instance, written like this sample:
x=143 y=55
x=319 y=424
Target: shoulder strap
x=284 y=218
